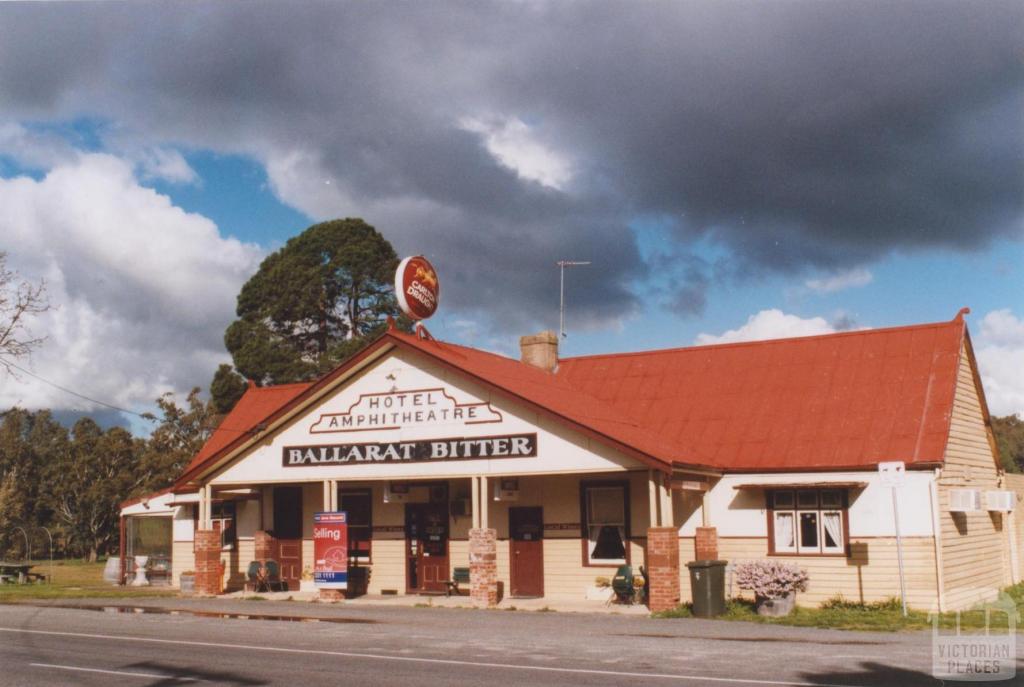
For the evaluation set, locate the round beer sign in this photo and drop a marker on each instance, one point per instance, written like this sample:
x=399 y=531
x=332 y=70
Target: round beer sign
x=416 y=287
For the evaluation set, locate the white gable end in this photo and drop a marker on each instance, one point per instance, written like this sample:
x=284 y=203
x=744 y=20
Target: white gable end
x=404 y=417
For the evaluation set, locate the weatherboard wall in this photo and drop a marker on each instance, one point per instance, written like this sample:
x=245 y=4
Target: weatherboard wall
x=975 y=545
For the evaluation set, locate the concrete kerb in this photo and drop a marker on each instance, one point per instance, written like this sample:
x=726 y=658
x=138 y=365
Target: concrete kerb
x=432 y=601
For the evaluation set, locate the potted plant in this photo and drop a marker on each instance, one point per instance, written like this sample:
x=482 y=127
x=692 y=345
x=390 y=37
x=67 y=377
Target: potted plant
x=774 y=584
x=601 y=590
x=187 y=582
x=306 y=584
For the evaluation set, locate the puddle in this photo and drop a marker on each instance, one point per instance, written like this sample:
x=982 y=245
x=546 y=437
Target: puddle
x=156 y=610
x=787 y=640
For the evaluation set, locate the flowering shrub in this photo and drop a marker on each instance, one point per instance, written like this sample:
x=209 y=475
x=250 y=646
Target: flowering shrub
x=771 y=579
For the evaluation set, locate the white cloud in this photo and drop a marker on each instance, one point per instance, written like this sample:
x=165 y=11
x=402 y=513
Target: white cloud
x=34 y=149
x=769 y=324
x=514 y=144
x=840 y=281
x=1000 y=350
x=142 y=289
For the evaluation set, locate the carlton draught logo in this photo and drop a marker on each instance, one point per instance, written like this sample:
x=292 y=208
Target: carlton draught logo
x=416 y=287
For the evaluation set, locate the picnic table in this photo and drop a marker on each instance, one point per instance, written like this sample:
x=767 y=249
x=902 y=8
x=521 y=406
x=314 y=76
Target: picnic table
x=17 y=572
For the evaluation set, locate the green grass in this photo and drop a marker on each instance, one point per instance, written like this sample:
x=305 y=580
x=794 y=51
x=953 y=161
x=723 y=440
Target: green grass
x=840 y=614
x=73 y=579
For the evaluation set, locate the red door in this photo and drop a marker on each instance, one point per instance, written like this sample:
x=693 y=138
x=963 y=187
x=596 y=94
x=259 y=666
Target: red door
x=526 y=546
x=288 y=534
x=426 y=540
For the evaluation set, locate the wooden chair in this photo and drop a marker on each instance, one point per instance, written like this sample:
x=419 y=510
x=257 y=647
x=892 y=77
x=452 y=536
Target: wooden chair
x=459 y=576
x=254 y=578
x=273 y=576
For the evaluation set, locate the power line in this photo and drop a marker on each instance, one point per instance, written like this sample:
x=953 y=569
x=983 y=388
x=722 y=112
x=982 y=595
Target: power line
x=144 y=416
x=5 y=361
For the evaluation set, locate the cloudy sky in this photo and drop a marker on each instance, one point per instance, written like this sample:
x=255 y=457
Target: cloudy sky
x=731 y=169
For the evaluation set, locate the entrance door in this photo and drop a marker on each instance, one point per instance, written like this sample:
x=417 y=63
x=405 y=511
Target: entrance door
x=426 y=541
x=288 y=534
x=526 y=546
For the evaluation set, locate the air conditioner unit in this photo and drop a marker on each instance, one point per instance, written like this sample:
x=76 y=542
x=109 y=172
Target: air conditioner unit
x=506 y=489
x=964 y=500
x=396 y=492
x=1002 y=501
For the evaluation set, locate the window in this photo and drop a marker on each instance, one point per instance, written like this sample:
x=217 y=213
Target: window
x=357 y=504
x=605 y=517
x=225 y=515
x=807 y=521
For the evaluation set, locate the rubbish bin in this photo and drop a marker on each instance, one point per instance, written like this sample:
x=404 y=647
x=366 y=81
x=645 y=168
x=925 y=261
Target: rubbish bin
x=707 y=585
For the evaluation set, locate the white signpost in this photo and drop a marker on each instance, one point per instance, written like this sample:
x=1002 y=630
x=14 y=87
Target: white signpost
x=892 y=474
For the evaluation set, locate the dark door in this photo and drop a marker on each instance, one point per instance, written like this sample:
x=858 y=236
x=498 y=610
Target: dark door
x=526 y=546
x=426 y=541
x=288 y=534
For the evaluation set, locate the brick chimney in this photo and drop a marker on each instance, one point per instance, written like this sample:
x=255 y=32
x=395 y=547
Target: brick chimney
x=540 y=350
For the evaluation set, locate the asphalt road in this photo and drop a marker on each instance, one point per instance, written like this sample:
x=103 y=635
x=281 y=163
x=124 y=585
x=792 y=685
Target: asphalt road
x=424 y=646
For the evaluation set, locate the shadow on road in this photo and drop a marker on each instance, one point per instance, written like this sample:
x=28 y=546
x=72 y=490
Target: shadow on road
x=180 y=675
x=870 y=673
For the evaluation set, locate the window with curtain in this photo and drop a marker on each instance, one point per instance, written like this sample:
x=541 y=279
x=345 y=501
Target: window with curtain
x=224 y=516
x=807 y=521
x=606 y=516
x=357 y=503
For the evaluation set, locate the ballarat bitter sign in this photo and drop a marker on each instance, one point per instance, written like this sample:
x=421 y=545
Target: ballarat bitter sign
x=464 y=448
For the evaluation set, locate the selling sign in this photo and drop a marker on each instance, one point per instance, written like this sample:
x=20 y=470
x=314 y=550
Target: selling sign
x=330 y=550
x=416 y=287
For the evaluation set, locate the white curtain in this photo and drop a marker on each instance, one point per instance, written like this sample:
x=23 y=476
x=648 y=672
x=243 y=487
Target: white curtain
x=834 y=528
x=784 y=531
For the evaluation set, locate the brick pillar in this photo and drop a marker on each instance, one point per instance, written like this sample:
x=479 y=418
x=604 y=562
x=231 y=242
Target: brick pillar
x=483 y=566
x=263 y=543
x=707 y=544
x=662 y=568
x=332 y=595
x=207 y=547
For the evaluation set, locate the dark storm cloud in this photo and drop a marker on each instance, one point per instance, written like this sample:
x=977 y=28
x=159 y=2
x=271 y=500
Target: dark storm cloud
x=796 y=135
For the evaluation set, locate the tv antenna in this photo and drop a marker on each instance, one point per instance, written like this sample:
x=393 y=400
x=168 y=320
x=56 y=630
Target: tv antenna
x=562 y=264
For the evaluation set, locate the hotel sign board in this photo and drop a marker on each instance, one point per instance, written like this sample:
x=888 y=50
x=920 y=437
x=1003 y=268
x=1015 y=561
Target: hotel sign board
x=431 y=450
x=330 y=550
x=405 y=409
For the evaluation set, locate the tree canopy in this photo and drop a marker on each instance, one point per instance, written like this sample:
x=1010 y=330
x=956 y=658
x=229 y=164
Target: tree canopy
x=313 y=302
x=1009 y=433
x=19 y=301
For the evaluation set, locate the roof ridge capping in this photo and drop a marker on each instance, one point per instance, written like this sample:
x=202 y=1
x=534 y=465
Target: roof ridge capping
x=959 y=319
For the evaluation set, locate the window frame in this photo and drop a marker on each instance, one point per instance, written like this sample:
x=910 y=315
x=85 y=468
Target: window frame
x=219 y=518
x=585 y=486
x=368 y=493
x=792 y=495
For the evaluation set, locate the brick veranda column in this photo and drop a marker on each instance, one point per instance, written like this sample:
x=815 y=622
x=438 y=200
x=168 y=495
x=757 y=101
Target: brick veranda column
x=706 y=544
x=662 y=568
x=207 y=546
x=263 y=544
x=483 y=566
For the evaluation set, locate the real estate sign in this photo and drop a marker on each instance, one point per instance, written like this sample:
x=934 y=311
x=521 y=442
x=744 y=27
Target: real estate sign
x=330 y=550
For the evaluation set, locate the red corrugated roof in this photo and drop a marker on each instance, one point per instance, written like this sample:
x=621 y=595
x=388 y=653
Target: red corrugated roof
x=255 y=406
x=838 y=401
x=844 y=400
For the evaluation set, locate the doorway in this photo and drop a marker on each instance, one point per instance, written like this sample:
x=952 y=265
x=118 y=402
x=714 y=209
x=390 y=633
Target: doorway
x=526 y=549
x=288 y=534
x=426 y=542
